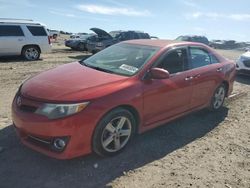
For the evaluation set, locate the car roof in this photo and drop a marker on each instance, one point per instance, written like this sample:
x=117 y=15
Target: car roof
x=19 y=21
x=162 y=43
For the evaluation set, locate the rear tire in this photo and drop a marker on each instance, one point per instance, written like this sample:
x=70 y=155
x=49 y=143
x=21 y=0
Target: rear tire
x=31 y=53
x=113 y=132
x=218 y=98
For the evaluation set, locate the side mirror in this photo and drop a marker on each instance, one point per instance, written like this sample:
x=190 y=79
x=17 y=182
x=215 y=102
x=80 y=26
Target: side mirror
x=157 y=73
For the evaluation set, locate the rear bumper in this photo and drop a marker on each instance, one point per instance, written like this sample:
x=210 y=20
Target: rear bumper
x=46 y=48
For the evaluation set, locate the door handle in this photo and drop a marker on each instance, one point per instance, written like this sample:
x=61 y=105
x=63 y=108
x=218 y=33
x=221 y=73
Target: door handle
x=197 y=76
x=219 y=69
x=20 y=39
x=189 y=78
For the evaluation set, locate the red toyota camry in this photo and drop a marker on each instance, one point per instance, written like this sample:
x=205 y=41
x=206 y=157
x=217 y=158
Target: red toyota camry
x=100 y=103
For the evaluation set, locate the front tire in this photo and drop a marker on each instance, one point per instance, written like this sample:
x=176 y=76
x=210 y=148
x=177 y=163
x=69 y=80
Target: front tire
x=218 y=98
x=113 y=132
x=31 y=53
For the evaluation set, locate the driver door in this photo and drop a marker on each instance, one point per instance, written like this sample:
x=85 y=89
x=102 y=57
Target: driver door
x=167 y=98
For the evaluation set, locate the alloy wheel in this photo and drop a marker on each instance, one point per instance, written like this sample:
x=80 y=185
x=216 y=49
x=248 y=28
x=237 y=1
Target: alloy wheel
x=31 y=54
x=219 y=97
x=116 y=134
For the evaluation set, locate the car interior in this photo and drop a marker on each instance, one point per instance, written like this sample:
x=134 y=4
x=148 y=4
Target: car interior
x=175 y=61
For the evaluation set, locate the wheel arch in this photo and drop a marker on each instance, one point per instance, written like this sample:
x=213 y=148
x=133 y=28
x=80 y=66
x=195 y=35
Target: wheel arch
x=27 y=45
x=135 y=113
x=131 y=109
x=226 y=84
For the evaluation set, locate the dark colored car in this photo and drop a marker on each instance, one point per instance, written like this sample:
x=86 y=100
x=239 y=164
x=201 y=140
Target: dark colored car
x=100 y=103
x=80 y=43
x=193 y=38
x=105 y=39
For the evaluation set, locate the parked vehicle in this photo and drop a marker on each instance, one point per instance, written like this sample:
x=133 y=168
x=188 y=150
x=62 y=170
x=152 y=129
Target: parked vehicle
x=53 y=33
x=193 y=38
x=105 y=39
x=23 y=37
x=77 y=35
x=217 y=44
x=243 y=63
x=154 y=38
x=100 y=103
x=79 y=43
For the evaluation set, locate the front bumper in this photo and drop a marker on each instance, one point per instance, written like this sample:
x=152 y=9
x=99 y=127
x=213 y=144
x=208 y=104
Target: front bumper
x=241 y=68
x=38 y=132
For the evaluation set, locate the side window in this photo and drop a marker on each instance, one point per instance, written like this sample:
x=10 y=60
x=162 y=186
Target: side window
x=175 y=61
x=214 y=59
x=10 y=31
x=199 y=58
x=37 y=30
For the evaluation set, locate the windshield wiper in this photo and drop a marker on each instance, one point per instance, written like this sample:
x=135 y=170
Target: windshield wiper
x=102 y=69
x=96 y=68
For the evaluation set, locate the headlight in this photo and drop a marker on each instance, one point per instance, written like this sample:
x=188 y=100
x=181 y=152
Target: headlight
x=55 y=111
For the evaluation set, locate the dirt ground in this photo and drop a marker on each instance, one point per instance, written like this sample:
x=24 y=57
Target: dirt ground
x=202 y=149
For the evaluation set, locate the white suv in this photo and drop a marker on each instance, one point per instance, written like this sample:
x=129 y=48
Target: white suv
x=23 y=37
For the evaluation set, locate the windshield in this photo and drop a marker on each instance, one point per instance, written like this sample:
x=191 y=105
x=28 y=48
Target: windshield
x=123 y=59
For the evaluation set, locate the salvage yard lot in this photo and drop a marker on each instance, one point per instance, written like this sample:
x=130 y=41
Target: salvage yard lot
x=203 y=149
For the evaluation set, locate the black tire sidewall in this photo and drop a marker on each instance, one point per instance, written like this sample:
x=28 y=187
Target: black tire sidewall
x=96 y=140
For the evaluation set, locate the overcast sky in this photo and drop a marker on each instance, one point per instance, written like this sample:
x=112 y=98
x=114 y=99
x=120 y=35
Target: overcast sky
x=221 y=19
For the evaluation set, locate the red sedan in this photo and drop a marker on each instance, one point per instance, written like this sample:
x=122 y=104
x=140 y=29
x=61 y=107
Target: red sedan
x=100 y=103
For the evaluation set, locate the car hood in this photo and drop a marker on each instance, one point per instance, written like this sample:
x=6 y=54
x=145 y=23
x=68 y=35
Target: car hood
x=71 y=82
x=101 y=33
x=247 y=54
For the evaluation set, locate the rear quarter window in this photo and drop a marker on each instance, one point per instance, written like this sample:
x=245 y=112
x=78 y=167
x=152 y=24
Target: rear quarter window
x=37 y=30
x=10 y=31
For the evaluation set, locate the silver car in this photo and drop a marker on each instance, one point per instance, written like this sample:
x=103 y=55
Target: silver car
x=243 y=63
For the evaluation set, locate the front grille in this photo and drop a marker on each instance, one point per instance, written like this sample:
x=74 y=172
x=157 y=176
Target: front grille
x=247 y=63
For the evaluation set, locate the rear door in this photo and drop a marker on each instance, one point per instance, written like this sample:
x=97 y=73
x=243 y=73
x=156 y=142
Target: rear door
x=38 y=35
x=206 y=75
x=12 y=39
